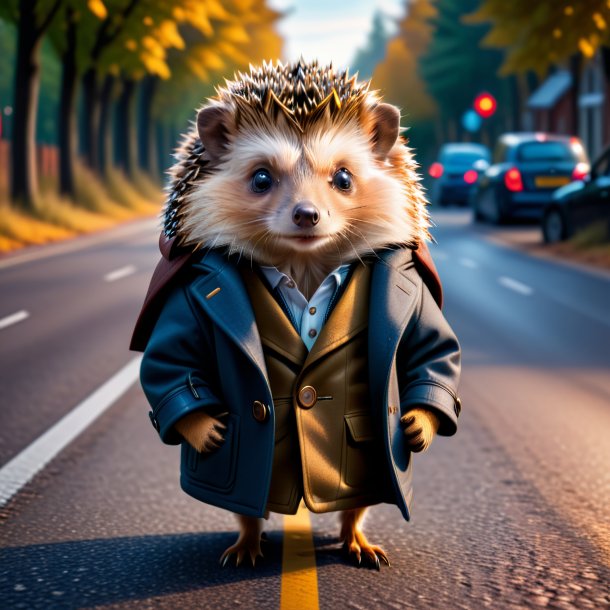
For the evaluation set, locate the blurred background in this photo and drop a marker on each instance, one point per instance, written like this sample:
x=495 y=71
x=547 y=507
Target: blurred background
x=507 y=107
x=94 y=94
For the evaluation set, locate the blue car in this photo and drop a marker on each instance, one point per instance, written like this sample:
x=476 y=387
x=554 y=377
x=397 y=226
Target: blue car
x=527 y=168
x=456 y=172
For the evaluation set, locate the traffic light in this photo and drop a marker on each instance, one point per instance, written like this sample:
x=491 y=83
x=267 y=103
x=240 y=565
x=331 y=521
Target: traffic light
x=485 y=105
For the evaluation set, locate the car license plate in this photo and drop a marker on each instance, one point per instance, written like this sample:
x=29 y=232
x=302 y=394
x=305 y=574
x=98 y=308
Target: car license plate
x=545 y=182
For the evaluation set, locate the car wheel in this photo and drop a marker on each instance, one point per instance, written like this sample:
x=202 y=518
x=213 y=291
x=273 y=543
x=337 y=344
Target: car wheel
x=553 y=226
x=476 y=210
x=498 y=215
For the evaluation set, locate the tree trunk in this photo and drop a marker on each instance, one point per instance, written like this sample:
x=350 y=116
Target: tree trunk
x=516 y=103
x=24 y=179
x=147 y=136
x=575 y=69
x=532 y=81
x=105 y=124
x=107 y=33
x=67 y=110
x=163 y=149
x=605 y=53
x=125 y=131
x=91 y=118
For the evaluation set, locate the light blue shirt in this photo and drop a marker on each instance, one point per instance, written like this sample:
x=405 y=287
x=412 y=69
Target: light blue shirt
x=307 y=316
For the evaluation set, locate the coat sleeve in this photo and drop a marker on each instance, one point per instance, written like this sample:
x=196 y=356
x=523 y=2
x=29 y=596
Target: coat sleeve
x=178 y=373
x=428 y=364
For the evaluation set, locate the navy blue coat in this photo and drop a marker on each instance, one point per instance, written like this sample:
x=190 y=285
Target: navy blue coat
x=205 y=353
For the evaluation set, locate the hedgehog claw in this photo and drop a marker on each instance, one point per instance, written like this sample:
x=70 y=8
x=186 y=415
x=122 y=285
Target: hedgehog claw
x=357 y=547
x=248 y=543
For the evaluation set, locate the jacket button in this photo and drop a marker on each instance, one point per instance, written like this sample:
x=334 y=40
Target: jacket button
x=154 y=421
x=260 y=411
x=457 y=406
x=307 y=397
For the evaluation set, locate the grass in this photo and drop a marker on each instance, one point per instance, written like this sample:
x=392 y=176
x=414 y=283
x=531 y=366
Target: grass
x=590 y=246
x=99 y=206
x=592 y=236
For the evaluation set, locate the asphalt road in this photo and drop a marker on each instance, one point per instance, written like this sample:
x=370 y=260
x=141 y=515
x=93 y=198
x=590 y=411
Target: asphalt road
x=512 y=512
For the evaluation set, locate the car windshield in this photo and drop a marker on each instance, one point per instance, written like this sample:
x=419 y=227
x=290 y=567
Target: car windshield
x=461 y=158
x=548 y=151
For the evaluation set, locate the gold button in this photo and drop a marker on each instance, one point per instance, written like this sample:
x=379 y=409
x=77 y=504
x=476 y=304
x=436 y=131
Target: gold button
x=312 y=311
x=313 y=332
x=260 y=411
x=308 y=397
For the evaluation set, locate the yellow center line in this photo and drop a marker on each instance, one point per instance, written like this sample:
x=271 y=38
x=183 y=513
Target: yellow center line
x=299 y=577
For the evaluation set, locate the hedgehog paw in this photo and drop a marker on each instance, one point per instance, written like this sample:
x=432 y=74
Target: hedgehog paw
x=355 y=544
x=248 y=543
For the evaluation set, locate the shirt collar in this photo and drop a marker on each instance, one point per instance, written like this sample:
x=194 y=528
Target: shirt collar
x=274 y=276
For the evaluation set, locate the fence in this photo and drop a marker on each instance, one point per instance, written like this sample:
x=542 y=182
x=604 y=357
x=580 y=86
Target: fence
x=47 y=161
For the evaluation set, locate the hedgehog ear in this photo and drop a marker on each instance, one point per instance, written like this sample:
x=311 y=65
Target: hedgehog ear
x=386 y=128
x=213 y=125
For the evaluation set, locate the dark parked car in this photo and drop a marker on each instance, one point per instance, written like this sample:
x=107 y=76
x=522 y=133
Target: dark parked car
x=580 y=203
x=526 y=170
x=456 y=172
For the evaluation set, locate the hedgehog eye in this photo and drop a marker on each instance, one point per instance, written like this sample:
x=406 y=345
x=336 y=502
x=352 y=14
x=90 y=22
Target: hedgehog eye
x=261 y=181
x=342 y=180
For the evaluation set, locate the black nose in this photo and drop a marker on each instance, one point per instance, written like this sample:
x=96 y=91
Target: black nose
x=305 y=215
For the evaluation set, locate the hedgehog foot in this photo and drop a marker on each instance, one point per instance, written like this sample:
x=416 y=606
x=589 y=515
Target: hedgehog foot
x=355 y=544
x=248 y=542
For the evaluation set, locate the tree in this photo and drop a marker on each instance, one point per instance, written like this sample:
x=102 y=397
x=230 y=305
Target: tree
x=367 y=58
x=398 y=74
x=245 y=33
x=109 y=30
x=538 y=35
x=399 y=79
x=33 y=19
x=96 y=40
x=456 y=68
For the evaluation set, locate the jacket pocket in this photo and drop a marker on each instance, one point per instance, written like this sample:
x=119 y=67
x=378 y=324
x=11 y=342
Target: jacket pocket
x=360 y=453
x=215 y=470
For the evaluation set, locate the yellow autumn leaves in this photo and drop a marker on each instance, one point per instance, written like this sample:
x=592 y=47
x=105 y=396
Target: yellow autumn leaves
x=224 y=29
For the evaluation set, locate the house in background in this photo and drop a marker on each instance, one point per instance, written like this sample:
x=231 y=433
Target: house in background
x=594 y=108
x=550 y=107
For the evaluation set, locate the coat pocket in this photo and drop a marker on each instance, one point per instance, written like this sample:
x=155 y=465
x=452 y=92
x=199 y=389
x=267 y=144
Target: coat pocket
x=360 y=454
x=215 y=470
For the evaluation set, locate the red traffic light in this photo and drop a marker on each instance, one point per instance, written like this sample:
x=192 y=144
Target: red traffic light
x=485 y=105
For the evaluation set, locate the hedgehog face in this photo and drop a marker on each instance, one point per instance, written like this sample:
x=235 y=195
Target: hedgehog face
x=278 y=193
x=291 y=180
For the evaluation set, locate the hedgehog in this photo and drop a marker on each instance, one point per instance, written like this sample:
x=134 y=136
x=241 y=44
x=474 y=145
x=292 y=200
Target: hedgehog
x=294 y=326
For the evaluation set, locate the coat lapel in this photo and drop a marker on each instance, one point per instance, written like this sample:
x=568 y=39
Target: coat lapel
x=275 y=329
x=393 y=297
x=349 y=316
x=222 y=295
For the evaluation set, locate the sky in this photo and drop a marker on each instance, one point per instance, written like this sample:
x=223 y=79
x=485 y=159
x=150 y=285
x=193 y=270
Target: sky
x=328 y=30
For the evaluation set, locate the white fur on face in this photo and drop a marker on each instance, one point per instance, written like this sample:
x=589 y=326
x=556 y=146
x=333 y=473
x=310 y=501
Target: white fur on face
x=259 y=148
x=328 y=149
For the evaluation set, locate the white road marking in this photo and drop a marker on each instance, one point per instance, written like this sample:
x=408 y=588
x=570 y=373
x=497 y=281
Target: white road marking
x=119 y=274
x=515 y=285
x=14 y=318
x=468 y=262
x=24 y=466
